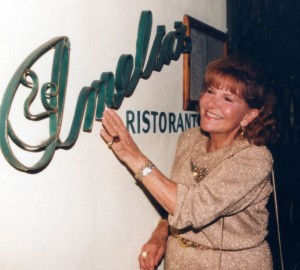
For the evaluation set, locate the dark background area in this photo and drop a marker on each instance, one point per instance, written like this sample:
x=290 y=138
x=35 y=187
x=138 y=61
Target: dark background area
x=269 y=33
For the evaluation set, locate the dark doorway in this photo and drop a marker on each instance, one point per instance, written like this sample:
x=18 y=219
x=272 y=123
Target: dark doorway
x=268 y=31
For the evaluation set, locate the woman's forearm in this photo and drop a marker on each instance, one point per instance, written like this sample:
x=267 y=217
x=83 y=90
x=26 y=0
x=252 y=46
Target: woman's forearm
x=162 y=189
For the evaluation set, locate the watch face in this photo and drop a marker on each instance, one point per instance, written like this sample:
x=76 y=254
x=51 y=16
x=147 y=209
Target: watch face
x=146 y=171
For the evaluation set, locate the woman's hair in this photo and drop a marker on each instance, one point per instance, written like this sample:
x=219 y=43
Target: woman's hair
x=246 y=79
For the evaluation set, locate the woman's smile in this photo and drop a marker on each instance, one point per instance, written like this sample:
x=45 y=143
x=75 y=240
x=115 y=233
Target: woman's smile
x=213 y=116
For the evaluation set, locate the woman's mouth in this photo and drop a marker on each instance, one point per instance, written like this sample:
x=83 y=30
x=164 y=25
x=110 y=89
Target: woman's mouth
x=213 y=116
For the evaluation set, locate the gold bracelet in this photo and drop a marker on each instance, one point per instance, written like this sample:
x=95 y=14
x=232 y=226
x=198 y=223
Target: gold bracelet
x=162 y=220
x=144 y=170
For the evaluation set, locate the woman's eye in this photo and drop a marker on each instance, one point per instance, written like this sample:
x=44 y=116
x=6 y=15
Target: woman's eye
x=228 y=99
x=210 y=91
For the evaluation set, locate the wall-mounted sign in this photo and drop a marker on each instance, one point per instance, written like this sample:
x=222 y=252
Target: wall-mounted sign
x=109 y=91
x=160 y=122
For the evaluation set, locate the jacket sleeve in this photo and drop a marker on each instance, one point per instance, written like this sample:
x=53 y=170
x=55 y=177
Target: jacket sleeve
x=227 y=189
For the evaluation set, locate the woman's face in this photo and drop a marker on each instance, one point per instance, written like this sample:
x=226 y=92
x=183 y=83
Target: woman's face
x=223 y=113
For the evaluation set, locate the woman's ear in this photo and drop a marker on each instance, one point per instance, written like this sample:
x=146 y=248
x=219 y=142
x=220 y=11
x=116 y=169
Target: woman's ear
x=249 y=117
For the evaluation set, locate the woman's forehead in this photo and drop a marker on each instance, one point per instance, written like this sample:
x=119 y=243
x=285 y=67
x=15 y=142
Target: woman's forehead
x=221 y=89
x=234 y=87
x=225 y=82
x=227 y=88
x=224 y=91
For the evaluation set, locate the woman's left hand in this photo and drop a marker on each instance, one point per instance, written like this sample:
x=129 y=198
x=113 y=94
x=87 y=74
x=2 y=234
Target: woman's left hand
x=154 y=250
x=120 y=141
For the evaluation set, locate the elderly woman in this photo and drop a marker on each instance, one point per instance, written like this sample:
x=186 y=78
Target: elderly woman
x=220 y=183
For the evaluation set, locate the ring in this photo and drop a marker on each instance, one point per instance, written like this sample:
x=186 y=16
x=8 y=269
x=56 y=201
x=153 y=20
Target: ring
x=116 y=138
x=110 y=144
x=144 y=254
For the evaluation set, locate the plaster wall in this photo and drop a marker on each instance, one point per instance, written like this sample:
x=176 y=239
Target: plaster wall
x=84 y=211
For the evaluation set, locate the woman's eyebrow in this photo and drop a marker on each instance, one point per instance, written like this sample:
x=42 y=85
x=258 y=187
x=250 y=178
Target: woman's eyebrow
x=231 y=95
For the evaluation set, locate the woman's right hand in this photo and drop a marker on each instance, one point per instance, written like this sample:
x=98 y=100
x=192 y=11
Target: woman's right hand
x=152 y=252
x=116 y=135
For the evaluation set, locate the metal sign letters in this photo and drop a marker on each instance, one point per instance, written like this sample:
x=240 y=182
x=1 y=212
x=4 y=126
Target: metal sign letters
x=109 y=90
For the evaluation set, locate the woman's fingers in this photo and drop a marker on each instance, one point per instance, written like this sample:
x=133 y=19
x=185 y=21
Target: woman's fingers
x=159 y=255
x=118 y=125
x=105 y=135
x=150 y=256
x=142 y=261
x=115 y=127
x=110 y=125
x=146 y=262
x=117 y=120
x=111 y=131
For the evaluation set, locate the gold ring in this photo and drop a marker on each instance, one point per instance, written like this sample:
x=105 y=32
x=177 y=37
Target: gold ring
x=110 y=144
x=144 y=254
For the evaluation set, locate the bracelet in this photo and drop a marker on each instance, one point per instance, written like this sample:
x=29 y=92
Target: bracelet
x=144 y=170
x=163 y=220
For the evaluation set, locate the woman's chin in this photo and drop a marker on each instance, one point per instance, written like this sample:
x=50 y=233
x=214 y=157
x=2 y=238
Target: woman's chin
x=206 y=128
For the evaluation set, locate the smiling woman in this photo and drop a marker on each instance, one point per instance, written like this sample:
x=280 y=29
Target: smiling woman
x=236 y=88
x=220 y=183
x=223 y=114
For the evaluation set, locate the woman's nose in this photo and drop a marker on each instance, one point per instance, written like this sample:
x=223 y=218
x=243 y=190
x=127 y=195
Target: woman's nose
x=213 y=102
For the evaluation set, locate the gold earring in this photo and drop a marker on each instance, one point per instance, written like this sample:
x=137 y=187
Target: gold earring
x=242 y=135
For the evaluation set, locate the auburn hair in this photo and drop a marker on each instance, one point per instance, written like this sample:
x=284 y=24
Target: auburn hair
x=246 y=79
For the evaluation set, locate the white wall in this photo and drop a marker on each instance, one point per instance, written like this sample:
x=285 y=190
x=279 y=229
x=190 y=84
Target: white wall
x=84 y=211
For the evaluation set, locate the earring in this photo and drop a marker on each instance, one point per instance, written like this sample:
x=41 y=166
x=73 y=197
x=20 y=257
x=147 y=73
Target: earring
x=242 y=135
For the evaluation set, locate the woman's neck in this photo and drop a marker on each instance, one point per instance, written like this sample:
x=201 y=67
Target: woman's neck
x=218 y=141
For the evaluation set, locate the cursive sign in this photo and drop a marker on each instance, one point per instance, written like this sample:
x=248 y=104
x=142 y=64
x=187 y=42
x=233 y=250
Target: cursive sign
x=109 y=91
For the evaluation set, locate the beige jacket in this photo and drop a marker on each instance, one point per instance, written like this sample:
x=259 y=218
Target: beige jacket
x=236 y=188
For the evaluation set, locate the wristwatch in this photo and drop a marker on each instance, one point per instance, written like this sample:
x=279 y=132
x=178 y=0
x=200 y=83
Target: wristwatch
x=144 y=170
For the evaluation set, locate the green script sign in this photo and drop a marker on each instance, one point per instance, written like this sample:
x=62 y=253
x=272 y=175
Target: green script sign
x=109 y=91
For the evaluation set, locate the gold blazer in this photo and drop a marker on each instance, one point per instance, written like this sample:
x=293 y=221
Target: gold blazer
x=232 y=183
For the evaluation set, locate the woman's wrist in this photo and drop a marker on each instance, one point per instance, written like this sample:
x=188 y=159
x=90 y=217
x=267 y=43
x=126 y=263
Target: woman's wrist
x=162 y=230
x=144 y=170
x=163 y=221
x=140 y=165
x=135 y=161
